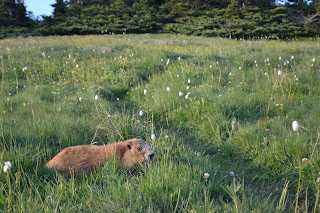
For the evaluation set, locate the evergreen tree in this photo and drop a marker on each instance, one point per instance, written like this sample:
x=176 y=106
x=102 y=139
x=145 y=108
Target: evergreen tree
x=13 y=13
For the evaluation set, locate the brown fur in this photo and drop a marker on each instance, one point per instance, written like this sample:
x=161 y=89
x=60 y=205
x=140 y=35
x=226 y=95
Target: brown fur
x=85 y=158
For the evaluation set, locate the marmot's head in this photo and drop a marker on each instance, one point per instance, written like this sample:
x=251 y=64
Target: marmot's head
x=138 y=152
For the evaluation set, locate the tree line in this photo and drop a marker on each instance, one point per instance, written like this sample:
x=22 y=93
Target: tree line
x=224 y=18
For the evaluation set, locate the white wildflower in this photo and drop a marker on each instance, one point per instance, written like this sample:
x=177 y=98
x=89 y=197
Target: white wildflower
x=189 y=81
x=7 y=167
x=153 y=137
x=24 y=69
x=180 y=93
x=145 y=91
x=168 y=89
x=140 y=113
x=295 y=126
x=96 y=97
x=206 y=175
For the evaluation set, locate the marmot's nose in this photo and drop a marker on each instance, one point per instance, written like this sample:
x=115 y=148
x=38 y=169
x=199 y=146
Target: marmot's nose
x=152 y=155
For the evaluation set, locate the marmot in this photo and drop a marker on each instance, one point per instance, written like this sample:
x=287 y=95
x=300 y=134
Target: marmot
x=85 y=158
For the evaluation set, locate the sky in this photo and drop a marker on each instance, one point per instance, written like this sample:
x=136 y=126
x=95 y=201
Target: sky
x=39 y=7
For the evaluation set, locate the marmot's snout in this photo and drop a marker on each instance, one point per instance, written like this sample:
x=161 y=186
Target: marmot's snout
x=152 y=156
x=149 y=154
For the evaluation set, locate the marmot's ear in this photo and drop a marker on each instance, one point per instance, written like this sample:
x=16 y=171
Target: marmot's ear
x=129 y=145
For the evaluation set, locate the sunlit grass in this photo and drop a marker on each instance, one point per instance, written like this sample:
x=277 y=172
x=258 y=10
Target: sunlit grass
x=228 y=112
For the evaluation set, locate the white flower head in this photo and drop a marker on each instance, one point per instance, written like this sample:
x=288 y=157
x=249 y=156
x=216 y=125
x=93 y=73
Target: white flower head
x=153 y=137
x=96 y=97
x=24 y=69
x=168 y=89
x=145 y=91
x=279 y=72
x=313 y=60
x=180 y=93
x=140 y=113
x=206 y=175
x=187 y=87
x=292 y=57
x=186 y=97
x=189 y=81
x=232 y=173
x=7 y=167
x=280 y=58
x=295 y=126
x=179 y=58
x=80 y=99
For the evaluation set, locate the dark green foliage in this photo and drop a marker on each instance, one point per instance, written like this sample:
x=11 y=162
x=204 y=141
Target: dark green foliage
x=14 y=20
x=227 y=18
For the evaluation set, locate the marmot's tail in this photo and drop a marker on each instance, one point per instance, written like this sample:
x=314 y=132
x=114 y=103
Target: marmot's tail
x=50 y=164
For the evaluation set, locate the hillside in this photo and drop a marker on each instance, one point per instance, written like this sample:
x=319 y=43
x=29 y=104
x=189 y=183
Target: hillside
x=216 y=106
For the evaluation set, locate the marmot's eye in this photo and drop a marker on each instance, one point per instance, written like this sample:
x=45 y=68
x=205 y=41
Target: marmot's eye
x=139 y=148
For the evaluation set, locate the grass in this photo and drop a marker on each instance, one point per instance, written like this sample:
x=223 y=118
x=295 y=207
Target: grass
x=235 y=124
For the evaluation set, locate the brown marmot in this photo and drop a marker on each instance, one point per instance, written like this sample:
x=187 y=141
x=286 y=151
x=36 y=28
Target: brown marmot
x=85 y=158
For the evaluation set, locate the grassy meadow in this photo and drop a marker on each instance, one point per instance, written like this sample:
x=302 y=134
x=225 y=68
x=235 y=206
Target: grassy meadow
x=217 y=106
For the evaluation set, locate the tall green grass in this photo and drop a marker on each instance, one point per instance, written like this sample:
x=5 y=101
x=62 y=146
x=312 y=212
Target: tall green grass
x=235 y=124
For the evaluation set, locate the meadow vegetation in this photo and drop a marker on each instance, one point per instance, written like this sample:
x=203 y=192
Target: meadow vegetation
x=216 y=106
